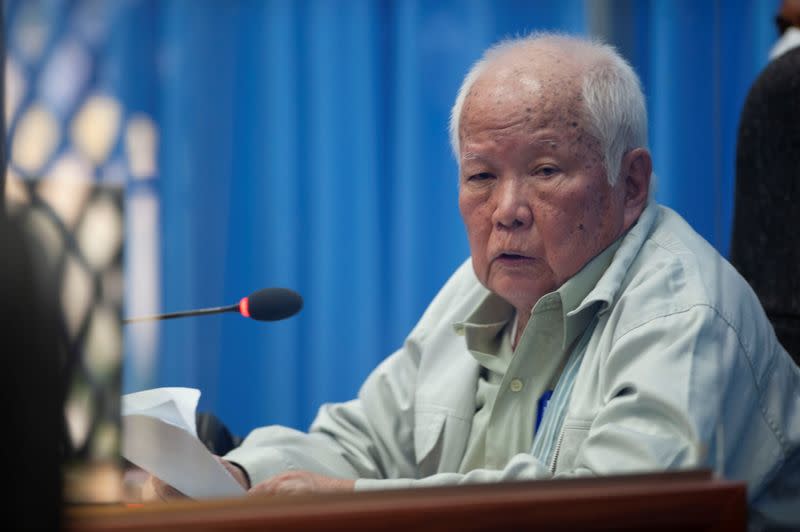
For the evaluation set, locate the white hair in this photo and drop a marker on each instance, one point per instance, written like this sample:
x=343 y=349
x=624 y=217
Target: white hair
x=614 y=107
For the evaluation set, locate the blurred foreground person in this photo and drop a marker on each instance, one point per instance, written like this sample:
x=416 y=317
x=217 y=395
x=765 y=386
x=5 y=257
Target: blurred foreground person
x=33 y=435
x=765 y=245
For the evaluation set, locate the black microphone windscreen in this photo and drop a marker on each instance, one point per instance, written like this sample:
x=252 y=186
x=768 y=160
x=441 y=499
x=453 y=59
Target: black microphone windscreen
x=271 y=304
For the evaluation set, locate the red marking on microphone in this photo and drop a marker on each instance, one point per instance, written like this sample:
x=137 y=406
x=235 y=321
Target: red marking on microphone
x=244 y=307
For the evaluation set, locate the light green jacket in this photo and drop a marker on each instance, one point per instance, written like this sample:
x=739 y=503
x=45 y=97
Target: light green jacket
x=679 y=368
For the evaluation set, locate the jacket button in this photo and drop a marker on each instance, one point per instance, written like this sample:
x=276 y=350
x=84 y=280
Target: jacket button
x=516 y=385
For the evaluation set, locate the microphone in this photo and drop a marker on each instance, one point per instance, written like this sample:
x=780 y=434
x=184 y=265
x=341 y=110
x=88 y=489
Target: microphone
x=267 y=304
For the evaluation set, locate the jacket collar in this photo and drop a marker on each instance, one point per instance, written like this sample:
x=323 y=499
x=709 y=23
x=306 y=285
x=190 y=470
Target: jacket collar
x=609 y=284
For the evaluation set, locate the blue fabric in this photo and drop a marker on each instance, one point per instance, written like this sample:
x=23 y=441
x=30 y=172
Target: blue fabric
x=702 y=58
x=304 y=144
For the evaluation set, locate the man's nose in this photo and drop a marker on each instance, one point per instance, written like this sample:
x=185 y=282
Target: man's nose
x=512 y=209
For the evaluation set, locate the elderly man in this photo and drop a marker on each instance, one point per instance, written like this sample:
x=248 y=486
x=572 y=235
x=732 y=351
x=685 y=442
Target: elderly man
x=592 y=331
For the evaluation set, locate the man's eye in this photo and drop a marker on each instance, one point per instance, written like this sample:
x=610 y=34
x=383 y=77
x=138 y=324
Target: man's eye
x=546 y=171
x=483 y=176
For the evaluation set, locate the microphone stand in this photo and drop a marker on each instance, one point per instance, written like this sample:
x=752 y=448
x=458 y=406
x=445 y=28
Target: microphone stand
x=201 y=312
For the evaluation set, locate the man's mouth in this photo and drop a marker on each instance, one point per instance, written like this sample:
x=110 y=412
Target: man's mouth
x=512 y=257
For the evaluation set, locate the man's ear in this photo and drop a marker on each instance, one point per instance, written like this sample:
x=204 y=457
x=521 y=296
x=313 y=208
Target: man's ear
x=637 y=167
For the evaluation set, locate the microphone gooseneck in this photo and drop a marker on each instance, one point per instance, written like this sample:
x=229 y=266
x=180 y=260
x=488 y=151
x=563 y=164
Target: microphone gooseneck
x=182 y=314
x=267 y=304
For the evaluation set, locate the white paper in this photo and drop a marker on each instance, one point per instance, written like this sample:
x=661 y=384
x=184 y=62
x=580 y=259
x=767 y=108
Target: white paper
x=160 y=436
x=172 y=405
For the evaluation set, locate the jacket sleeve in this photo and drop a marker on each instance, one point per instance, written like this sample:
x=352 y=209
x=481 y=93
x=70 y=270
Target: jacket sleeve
x=370 y=437
x=346 y=440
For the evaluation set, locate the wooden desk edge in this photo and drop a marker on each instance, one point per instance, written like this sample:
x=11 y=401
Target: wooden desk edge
x=668 y=500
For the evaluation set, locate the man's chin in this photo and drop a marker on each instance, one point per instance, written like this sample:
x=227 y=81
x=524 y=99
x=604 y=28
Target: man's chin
x=522 y=293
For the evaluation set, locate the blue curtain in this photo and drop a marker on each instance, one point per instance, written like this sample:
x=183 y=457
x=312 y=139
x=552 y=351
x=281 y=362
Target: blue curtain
x=304 y=144
x=697 y=60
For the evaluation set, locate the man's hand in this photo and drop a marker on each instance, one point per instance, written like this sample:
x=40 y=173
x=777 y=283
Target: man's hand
x=300 y=482
x=155 y=489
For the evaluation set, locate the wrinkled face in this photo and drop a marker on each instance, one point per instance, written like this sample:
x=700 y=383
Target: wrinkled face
x=533 y=191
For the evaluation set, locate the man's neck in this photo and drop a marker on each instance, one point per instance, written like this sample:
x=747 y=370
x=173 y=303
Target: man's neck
x=522 y=321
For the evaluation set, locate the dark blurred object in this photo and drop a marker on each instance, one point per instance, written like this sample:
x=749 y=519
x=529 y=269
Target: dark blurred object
x=34 y=434
x=2 y=115
x=766 y=230
x=78 y=226
x=33 y=394
x=788 y=16
x=215 y=435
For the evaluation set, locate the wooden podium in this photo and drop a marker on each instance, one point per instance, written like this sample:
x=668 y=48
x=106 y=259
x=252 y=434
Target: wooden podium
x=668 y=501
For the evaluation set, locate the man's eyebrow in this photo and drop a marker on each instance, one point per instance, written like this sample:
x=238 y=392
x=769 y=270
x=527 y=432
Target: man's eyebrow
x=472 y=156
x=550 y=141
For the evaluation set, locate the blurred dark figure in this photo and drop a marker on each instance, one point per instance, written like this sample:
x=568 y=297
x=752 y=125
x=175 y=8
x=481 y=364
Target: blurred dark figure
x=33 y=435
x=766 y=230
x=766 y=236
x=33 y=391
x=788 y=23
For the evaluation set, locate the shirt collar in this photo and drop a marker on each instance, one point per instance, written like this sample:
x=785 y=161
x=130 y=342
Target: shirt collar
x=482 y=327
x=788 y=41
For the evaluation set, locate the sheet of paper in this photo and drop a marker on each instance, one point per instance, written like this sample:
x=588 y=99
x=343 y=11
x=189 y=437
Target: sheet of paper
x=159 y=436
x=172 y=405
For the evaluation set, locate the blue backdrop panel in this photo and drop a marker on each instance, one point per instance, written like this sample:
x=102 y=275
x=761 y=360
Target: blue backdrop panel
x=306 y=146
x=702 y=58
